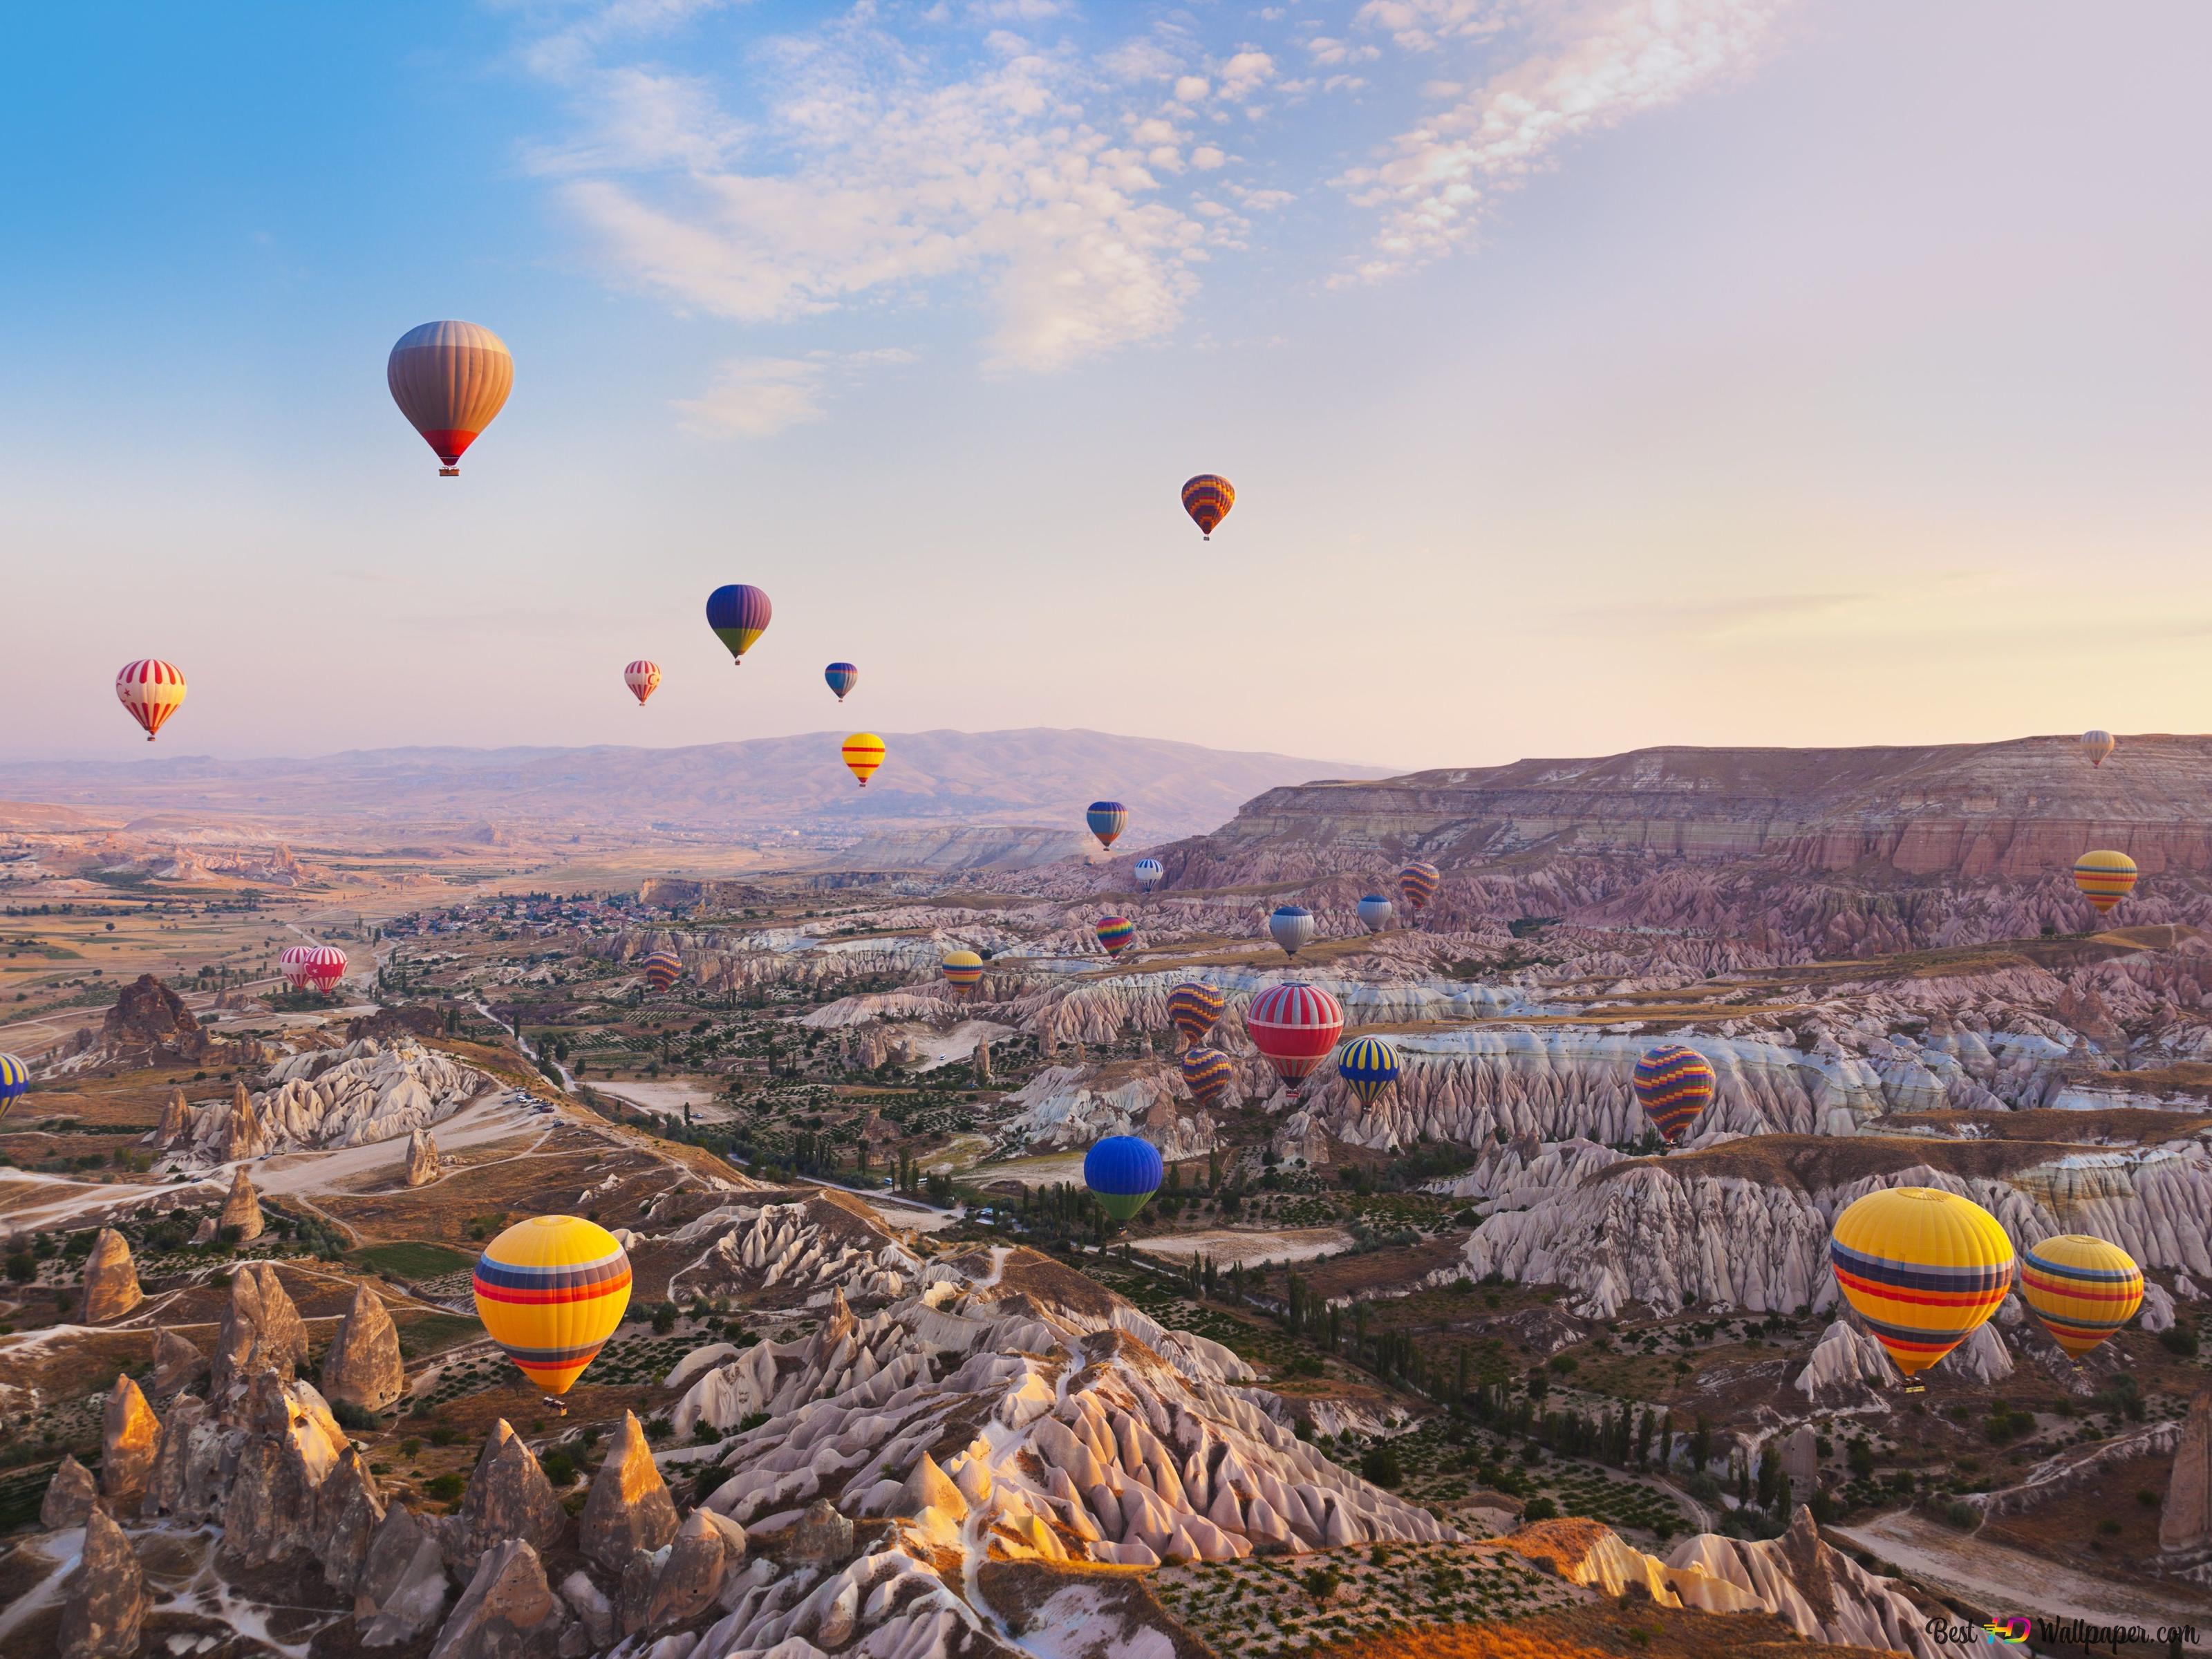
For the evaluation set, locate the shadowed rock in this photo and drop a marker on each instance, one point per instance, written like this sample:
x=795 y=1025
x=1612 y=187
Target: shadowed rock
x=348 y=1511
x=402 y=1584
x=2184 y=1526
x=130 y=1440
x=176 y=1128
x=261 y=1329
x=111 y=1280
x=177 y=1364
x=507 y=1612
x=706 y=1547
x=363 y=1367
x=822 y=1538
x=241 y=1135
x=241 y=1209
x=104 y=1602
x=507 y=1497
x=629 y=1508
x=71 y=1495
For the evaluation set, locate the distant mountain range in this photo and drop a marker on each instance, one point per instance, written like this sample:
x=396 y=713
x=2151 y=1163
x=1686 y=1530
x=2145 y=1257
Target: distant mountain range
x=1038 y=776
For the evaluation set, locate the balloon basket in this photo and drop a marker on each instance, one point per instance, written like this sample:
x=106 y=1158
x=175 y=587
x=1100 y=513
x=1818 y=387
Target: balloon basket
x=1914 y=1387
x=449 y=472
x=558 y=1406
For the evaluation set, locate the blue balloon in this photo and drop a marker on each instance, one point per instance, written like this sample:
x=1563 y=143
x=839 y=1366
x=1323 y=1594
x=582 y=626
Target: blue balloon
x=843 y=678
x=1122 y=1171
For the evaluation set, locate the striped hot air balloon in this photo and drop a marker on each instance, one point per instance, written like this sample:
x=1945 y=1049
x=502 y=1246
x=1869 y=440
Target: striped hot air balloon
x=1674 y=1085
x=662 y=970
x=1149 y=872
x=963 y=971
x=2104 y=879
x=15 y=1077
x=863 y=753
x=1107 y=819
x=151 y=691
x=1207 y=1073
x=738 y=613
x=2097 y=746
x=1291 y=926
x=449 y=380
x=1193 y=1007
x=1115 y=933
x=1924 y=1268
x=312 y=966
x=1368 y=1065
x=1207 y=498
x=1294 y=1025
x=1122 y=1173
x=843 y=677
x=1417 y=885
x=2082 y=1288
x=1374 y=912
x=551 y=1292
x=643 y=679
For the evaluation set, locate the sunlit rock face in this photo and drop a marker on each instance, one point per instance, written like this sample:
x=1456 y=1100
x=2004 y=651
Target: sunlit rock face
x=372 y=1089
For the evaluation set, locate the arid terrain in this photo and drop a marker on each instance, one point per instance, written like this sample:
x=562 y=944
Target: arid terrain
x=1477 y=1368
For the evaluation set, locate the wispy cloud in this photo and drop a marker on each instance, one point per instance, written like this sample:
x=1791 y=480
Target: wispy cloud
x=760 y=397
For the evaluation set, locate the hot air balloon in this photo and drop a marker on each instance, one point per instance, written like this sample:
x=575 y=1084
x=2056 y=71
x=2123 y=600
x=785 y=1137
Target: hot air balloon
x=1206 y=1073
x=643 y=679
x=1107 y=819
x=2081 y=1288
x=1294 y=1025
x=1291 y=926
x=1207 y=498
x=449 y=380
x=1122 y=1172
x=152 y=691
x=2104 y=879
x=1923 y=1267
x=1375 y=912
x=1369 y=1066
x=843 y=678
x=1674 y=1085
x=550 y=1290
x=662 y=970
x=2098 y=746
x=1115 y=933
x=863 y=753
x=312 y=966
x=1417 y=885
x=1149 y=872
x=963 y=971
x=1193 y=1007
x=15 y=1077
x=738 y=613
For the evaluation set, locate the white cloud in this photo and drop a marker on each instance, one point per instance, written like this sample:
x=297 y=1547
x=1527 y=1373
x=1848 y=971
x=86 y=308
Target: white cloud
x=1246 y=73
x=1189 y=88
x=1588 y=67
x=1327 y=50
x=758 y=397
x=1424 y=25
x=1206 y=158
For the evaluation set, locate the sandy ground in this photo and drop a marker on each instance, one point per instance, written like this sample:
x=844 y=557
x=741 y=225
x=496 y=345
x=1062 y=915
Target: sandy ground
x=917 y=1218
x=495 y=1118
x=1229 y=1244
x=935 y=1048
x=669 y=1099
x=2009 y=1580
x=1043 y=1171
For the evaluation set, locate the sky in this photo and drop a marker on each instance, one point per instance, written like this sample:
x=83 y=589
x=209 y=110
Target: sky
x=1593 y=373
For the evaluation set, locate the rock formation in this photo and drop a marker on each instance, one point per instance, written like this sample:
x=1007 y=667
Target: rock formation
x=104 y=1601
x=130 y=1440
x=111 y=1280
x=2185 y=1525
x=1818 y=1591
x=699 y=1559
x=401 y=1588
x=241 y=1209
x=422 y=1158
x=176 y=1128
x=369 y=1090
x=362 y=1366
x=71 y=1495
x=149 y=1022
x=629 y=1508
x=177 y=1364
x=508 y=1610
x=238 y=1132
x=507 y=1497
x=261 y=1330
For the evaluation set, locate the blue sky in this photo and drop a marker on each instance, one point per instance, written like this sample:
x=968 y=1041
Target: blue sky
x=1592 y=373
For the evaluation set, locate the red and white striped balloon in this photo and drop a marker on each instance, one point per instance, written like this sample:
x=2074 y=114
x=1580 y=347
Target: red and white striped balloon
x=312 y=966
x=643 y=679
x=1294 y=1026
x=152 y=691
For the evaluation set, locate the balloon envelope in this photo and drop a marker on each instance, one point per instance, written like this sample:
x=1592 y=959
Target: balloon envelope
x=1291 y=926
x=1206 y=1073
x=643 y=679
x=843 y=677
x=863 y=753
x=551 y=1292
x=1107 y=819
x=964 y=970
x=1924 y=1268
x=1374 y=912
x=1149 y=872
x=738 y=613
x=15 y=1077
x=151 y=691
x=1193 y=1007
x=1417 y=884
x=1294 y=1026
x=450 y=379
x=2104 y=879
x=1207 y=498
x=1115 y=933
x=1369 y=1066
x=1674 y=1085
x=1122 y=1172
x=312 y=966
x=2082 y=1288
x=2098 y=746
x=662 y=970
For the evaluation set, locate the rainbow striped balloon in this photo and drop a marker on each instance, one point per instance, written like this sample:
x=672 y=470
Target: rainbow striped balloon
x=152 y=691
x=1674 y=1085
x=1115 y=933
x=1925 y=1269
x=662 y=970
x=1193 y=1007
x=863 y=753
x=551 y=1292
x=1207 y=1073
x=1368 y=1065
x=2104 y=879
x=738 y=613
x=1207 y=498
x=2082 y=1288
x=963 y=971
x=15 y=1077
x=1417 y=885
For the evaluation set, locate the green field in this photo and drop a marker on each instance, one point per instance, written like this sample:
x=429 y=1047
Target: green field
x=412 y=1260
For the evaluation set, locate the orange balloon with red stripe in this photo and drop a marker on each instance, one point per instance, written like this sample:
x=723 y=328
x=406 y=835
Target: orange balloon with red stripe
x=551 y=1292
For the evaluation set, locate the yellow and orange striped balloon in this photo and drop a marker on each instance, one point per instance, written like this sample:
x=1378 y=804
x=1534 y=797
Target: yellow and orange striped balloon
x=551 y=1292
x=863 y=753
x=1925 y=1268
x=2082 y=1288
x=2104 y=879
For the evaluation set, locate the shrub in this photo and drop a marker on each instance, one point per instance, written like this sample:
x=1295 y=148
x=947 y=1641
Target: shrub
x=1380 y=1466
x=1540 y=1509
x=351 y=1416
x=663 y=1319
x=1962 y=1515
x=2180 y=1339
x=660 y=1428
x=444 y=1488
x=560 y=1468
x=443 y=1437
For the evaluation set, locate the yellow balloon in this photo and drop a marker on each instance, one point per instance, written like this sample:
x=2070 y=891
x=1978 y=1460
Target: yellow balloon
x=2082 y=1288
x=550 y=1290
x=1925 y=1268
x=2104 y=879
x=863 y=753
